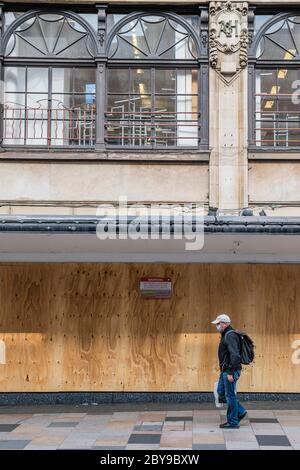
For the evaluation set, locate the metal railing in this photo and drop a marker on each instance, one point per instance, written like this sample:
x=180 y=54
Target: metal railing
x=49 y=126
x=152 y=128
x=276 y=127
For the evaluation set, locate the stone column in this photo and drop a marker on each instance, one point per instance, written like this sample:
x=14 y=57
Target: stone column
x=228 y=39
x=101 y=77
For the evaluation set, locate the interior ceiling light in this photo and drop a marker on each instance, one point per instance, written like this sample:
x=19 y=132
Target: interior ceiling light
x=290 y=54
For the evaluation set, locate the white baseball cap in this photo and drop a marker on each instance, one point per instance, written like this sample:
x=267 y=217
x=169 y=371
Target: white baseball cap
x=223 y=317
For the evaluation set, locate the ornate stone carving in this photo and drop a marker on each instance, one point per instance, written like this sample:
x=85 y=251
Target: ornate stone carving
x=101 y=33
x=228 y=38
x=244 y=39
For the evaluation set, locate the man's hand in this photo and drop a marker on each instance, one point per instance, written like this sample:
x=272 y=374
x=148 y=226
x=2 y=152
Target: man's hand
x=230 y=378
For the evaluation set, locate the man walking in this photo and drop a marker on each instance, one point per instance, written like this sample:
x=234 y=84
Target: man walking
x=230 y=371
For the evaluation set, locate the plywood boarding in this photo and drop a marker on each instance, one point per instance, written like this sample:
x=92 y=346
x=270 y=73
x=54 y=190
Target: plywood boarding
x=83 y=327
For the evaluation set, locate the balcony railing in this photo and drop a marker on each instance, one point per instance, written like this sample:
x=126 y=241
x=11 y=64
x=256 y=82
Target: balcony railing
x=49 y=127
x=276 y=126
x=152 y=129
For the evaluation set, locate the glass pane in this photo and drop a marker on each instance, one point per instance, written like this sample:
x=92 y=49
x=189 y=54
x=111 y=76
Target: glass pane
x=165 y=135
x=137 y=39
x=69 y=36
x=31 y=39
x=14 y=79
x=118 y=104
x=10 y=17
x=118 y=80
x=13 y=126
x=113 y=19
x=165 y=80
x=75 y=50
x=127 y=51
x=193 y=20
x=259 y=21
x=165 y=107
x=280 y=44
x=62 y=80
x=36 y=131
x=287 y=81
x=37 y=106
x=14 y=112
x=141 y=81
x=86 y=102
x=129 y=122
x=90 y=18
x=277 y=114
x=62 y=101
x=50 y=26
x=182 y=49
x=74 y=128
x=26 y=24
x=37 y=80
x=294 y=26
x=123 y=104
x=153 y=28
x=153 y=36
x=176 y=81
x=23 y=49
x=50 y=34
x=84 y=80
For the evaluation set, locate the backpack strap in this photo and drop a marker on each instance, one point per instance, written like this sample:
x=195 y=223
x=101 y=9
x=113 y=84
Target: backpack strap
x=230 y=331
x=233 y=331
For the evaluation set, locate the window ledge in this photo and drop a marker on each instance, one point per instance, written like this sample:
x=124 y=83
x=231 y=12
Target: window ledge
x=153 y=155
x=274 y=154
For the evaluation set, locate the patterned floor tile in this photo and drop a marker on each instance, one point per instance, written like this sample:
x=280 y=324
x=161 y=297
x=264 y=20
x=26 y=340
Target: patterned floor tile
x=176 y=438
x=275 y=448
x=164 y=429
x=209 y=447
x=263 y=420
x=144 y=439
x=15 y=444
x=178 y=418
x=173 y=426
x=8 y=427
x=142 y=447
x=272 y=440
x=269 y=429
x=65 y=424
x=242 y=446
x=148 y=427
x=178 y=413
x=203 y=438
x=71 y=443
x=108 y=447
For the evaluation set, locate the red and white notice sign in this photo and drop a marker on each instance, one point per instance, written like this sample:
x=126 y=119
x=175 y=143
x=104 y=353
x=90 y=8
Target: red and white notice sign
x=155 y=287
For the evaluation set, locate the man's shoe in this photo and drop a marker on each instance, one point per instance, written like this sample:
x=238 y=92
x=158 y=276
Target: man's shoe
x=229 y=426
x=242 y=416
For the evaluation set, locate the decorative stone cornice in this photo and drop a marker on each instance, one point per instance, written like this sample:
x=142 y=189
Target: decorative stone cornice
x=228 y=38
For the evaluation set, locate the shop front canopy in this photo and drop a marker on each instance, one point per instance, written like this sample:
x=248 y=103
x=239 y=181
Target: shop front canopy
x=220 y=239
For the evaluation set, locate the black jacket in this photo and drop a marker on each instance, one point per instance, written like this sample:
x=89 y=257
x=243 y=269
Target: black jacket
x=229 y=352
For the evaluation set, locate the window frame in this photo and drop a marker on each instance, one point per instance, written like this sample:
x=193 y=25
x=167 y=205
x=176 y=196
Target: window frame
x=46 y=62
x=101 y=62
x=200 y=63
x=255 y=64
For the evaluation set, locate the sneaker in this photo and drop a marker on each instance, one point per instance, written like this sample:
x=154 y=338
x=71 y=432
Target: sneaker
x=242 y=416
x=229 y=426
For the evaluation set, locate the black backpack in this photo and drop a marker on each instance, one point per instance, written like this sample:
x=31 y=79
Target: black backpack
x=247 y=347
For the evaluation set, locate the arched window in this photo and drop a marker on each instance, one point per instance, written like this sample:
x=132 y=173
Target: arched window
x=153 y=83
x=277 y=74
x=49 y=81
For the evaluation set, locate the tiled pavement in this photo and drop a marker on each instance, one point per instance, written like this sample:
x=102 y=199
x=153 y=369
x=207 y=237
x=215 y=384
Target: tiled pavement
x=170 y=429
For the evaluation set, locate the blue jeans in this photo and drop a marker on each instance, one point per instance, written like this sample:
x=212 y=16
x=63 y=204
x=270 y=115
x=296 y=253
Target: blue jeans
x=227 y=393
